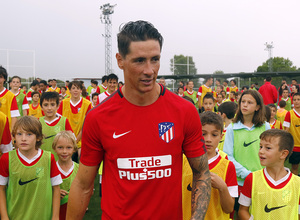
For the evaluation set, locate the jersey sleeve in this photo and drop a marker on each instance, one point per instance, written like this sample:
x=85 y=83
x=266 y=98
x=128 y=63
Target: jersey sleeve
x=227 y=90
x=4 y=169
x=14 y=111
x=68 y=126
x=25 y=104
x=287 y=120
x=193 y=144
x=5 y=142
x=245 y=198
x=91 y=147
x=98 y=90
x=199 y=91
x=29 y=96
x=231 y=180
x=59 y=110
x=54 y=173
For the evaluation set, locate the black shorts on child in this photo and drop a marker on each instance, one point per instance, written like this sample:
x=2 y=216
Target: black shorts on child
x=295 y=158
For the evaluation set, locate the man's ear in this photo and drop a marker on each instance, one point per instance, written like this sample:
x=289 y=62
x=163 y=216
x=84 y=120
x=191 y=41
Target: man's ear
x=119 y=60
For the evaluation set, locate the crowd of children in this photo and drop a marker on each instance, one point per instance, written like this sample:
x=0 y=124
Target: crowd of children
x=247 y=146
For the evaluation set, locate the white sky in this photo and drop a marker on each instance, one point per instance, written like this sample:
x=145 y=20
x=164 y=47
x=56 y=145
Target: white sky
x=227 y=35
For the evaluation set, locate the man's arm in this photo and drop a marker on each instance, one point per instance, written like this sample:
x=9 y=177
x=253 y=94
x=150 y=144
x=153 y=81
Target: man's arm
x=55 y=202
x=201 y=186
x=81 y=191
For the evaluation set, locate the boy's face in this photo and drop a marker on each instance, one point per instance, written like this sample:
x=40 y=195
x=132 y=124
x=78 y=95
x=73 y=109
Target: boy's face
x=285 y=93
x=15 y=83
x=212 y=137
x=64 y=149
x=35 y=98
x=75 y=91
x=208 y=105
x=43 y=87
x=2 y=80
x=219 y=98
x=95 y=98
x=296 y=101
x=232 y=96
x=93 y=85
x=25 y=141
x=49 y=107
x=219 y=89
x=180 y=91
x=63 y=91
x=112 y=85
x=225 y=84
x=269 y=153
x=190 y=85
x=273 y=112
x=54 y=83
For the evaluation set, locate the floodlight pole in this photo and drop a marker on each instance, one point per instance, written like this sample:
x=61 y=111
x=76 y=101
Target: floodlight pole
x=269 y=48
x=105 y=18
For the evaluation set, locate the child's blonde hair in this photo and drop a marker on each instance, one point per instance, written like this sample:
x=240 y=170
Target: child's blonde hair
x=30 y=124
x=67 y=135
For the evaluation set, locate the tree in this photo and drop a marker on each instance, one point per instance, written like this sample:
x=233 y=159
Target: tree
x=218 y=72
x=279 y=64
x=183 y=65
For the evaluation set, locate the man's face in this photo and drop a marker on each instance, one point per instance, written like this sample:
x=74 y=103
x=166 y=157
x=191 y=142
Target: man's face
x=210 y=82
x=141 y=65
x=112 y=85
x=15 y=83
x=232 y=83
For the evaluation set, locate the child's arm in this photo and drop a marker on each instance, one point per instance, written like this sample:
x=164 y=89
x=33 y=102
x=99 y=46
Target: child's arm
x=3 y=210
x=244 y=213
x=55 y=202
x=227 y=202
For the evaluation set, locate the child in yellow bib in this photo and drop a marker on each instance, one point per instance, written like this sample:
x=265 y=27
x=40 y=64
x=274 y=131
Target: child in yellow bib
x=273 y=192
x=223 y=175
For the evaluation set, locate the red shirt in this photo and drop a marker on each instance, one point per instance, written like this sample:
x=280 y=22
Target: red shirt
x=269 y=93
x=142 y=149
x=73 y=108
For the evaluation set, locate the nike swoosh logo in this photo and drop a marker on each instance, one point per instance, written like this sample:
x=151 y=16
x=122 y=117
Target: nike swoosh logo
x=246 y=145
x=50 y=136
x=297 y=126
x=189 y=188
x=21 y=183
x=221 y=141
x=115 y=136
x=271 y=209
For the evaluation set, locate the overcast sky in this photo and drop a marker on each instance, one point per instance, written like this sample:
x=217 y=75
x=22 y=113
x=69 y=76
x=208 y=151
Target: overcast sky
x=66 y=35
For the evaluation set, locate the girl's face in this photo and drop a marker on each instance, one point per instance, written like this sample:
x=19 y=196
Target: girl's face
x=25 y=141
x=64 y=149
x=248 y=105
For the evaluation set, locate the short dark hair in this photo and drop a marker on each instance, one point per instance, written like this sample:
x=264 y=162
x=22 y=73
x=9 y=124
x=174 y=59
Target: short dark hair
x=233 y=80
x=49 y=96
x=136 y=31
x=94 y=82
x=112 y=76
x=43 y=82
x=272 y=106
x=3 y=73
x=208 y=78
x=228 y=108
x=212 y=118
x=208 y=96
x=34 y=83
x=63 y=87
x=15 y=77
x=294 y=80
x=226 y=81
x=296 y=94
x=94 y=94
x=189 y=99
x=104 y=78
x=76 y=83
x=35 y=92
x=286 y=140
x=282 y=104
x=268 y=78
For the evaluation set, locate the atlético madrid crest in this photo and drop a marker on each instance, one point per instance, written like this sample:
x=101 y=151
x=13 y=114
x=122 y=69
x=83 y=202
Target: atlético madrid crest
x=166 y=131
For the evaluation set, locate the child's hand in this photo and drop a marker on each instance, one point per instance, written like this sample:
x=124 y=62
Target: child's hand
x=217 y=181
x=63 y=193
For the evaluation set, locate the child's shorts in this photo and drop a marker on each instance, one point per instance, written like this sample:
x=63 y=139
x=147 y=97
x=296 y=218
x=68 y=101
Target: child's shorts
x=295 y=158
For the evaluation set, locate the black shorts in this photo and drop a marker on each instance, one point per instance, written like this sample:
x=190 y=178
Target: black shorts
x=295 y=158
